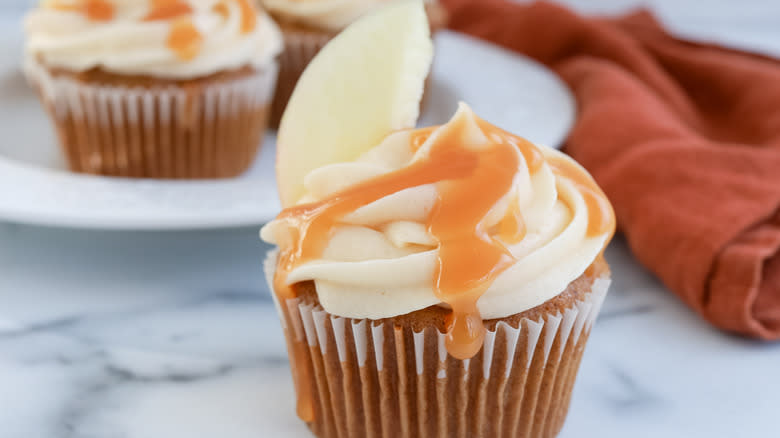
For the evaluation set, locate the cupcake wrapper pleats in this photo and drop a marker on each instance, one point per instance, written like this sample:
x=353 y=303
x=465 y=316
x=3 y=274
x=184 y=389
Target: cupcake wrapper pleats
x=377 y=380
x=209 y=131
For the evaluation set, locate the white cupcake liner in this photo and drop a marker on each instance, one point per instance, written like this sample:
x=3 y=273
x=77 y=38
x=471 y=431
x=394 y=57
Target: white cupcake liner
x=379 y=380
x=210 y=130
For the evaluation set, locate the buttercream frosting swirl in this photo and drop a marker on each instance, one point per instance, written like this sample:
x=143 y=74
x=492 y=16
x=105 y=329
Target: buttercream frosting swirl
x=380 y=260
x=180 y=39
x=332 y=15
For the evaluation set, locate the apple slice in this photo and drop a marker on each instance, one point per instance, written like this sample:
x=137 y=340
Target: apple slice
x=366 y=83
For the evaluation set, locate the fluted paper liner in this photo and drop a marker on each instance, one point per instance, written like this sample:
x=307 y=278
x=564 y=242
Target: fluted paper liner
x=378 y=380
x=209 y=131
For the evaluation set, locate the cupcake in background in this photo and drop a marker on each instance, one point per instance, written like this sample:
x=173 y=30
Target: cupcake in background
x=155 y=88
x=307 y=25
x=432 y=282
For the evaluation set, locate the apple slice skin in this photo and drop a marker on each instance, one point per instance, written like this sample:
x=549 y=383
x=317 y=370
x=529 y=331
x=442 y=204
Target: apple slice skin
x=365 y=84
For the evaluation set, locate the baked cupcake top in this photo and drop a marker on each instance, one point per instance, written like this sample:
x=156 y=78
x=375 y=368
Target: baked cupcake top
x=179 y=39
x=329 y=15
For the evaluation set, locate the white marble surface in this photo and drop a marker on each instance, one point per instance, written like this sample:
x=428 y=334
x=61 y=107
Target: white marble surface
x=167 y=335
x=173 y=335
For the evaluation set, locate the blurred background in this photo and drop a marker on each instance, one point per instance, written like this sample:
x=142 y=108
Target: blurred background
x=749 y=23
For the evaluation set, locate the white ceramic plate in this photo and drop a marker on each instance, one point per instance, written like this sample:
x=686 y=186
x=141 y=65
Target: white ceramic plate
x=35 y=187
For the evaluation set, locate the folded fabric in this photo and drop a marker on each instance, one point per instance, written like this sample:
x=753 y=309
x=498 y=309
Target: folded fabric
x=683 y=137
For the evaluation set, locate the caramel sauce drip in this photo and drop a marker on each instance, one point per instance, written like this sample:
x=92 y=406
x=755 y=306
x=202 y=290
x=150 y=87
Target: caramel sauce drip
x=601 y=217
x=469 y=257
x=533 y=157
x=167 y=10
x=221 y=8
x=511 y=229
x=95 y=10
x=469 y=182
x=420 y=136
x=301 y=379
x=185 y=39
x=248 y=15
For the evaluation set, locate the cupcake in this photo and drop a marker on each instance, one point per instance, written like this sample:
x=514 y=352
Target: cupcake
x=155 y=88
x=307 y=25
x=440 y=281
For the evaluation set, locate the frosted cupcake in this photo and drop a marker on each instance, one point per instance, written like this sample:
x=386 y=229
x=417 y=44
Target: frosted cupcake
x=440 y=281
x=307 y=25
x=155 y=88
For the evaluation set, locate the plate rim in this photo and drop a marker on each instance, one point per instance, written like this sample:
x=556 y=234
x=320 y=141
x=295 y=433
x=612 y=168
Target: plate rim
x=215 y=220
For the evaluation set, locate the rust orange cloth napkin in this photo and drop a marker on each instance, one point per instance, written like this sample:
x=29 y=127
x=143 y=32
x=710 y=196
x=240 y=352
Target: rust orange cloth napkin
x=683 y=137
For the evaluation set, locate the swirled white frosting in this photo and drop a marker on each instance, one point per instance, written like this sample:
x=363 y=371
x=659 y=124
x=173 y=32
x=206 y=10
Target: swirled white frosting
x=127 y=44
x=380 y=260
x=332 y=15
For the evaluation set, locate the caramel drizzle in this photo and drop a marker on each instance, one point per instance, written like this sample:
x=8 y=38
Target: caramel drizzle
x=469 y=257
x=595 y=199
x=94 y=10
x=222 y=9
x=511 y=228
x=601 y=216
x=248 y=15
x=167 y=10
x=469 y=183
x=184 y=38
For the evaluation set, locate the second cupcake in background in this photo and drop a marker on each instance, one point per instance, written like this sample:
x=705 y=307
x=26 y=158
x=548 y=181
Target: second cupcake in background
x=307 y=25
x=155 y=88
